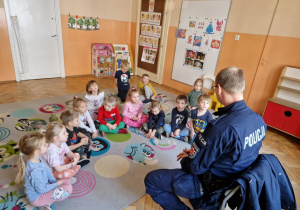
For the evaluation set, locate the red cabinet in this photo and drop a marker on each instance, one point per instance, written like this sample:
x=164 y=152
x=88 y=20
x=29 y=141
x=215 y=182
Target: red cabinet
x=283 y=118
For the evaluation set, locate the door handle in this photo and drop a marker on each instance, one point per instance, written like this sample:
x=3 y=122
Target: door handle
x=54 y=35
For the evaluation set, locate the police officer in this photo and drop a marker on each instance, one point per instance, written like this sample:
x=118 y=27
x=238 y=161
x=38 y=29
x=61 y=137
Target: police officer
x=229 y=145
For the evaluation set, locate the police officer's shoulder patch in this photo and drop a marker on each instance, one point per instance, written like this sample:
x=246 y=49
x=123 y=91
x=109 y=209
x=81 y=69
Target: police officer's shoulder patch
x=199 y=143
x=214 y=121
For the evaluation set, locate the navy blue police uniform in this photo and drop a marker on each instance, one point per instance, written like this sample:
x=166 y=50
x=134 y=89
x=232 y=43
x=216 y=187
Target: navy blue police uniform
x=228 y=145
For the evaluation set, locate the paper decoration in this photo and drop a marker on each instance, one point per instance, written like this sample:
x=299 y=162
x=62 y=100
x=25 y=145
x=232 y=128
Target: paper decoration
x=141 y=42
x=143 y=17
x=152 y=30
x=150 y=42
x=157 y=18
x=148 y=29
x=180 y=33
x=209 y=29
x=71 y=22
x=83 y=23
x=155 y=42
x=151 y=5
x=158 y=31
x=194 y=59
x=215 y=44
x=197 y=41
x=143 y=30
x=192 y=24
x=149 y=55
x=152 y=17
x=147 y=20
x=189 y=37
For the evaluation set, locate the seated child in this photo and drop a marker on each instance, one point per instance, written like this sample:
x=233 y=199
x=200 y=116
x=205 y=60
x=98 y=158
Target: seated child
x=133 y=110
x=147 y=92
x=179 y=119
x=156 y=121
x=63 y=162
x=192 y=97
x=110 y=118
x=122 y=79
x=40 y=184
x=77 y=141
x=86 y=123
x=94 y=98
x=201 y=116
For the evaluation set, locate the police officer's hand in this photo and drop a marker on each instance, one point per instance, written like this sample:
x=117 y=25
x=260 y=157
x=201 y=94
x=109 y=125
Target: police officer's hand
x=183 y=154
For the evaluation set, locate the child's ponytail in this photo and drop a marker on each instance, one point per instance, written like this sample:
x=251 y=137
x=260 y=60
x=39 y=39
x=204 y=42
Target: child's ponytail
x=21 y=173
x=28 y=145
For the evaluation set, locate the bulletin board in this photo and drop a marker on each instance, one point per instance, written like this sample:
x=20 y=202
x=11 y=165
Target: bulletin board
x=199 y=39
x=148 y=53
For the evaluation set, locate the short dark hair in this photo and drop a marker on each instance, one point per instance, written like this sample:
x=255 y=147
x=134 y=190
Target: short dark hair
x=182 y=97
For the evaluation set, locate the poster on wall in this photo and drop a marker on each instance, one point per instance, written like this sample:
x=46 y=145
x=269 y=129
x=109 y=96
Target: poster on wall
x=149 y=55
x=155 y=42
x=194 y=59
x=157 y=18
x=95 y=24
x=71 y=22
x=143 y=31
x=141 y=42
x=143 y=17
x=197 y=41
x=83 y=23
x=147 y=19
x=219 y=26
x=158 y=31
x=151 y=5
x=180 y=33
x=152 y=17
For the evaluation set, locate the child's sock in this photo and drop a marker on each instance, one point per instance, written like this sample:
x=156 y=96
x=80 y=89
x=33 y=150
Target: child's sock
x=123 y=130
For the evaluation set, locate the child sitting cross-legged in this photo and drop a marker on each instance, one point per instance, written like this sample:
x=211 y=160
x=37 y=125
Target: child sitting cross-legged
x=59 y=157
x=110 y=118
x=77 y=141
x=201 y=116
x=133 y=110
x=156 y=121
x=147 y=92
x=41 y=187
x=179 y=119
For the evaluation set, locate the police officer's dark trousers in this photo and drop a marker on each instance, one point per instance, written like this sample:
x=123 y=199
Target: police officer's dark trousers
x=164 y=185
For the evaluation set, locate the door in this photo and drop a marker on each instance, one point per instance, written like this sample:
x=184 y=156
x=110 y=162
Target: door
x=150 y=57
x=35 y=36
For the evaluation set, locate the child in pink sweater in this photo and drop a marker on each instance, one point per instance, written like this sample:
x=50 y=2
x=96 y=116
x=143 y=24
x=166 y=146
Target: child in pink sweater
x=133 y=110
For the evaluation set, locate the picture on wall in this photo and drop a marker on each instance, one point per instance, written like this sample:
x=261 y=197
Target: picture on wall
x=143 y=17
x=157 y=18
x=143 y=29
x=155 y=42
x=141 y=40
x=197 y=41
x=215 y=44
x=194 y=59
x=192 y=24
x=158 y=31
x=180 y=33
x=152 y=17
x=71 y=22
x=151 y=5
x=147 y=19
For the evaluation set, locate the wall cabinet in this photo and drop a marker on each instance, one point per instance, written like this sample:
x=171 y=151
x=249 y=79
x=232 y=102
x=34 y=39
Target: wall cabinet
x=283 y=110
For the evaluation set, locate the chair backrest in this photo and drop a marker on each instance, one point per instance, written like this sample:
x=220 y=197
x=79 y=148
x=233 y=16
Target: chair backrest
x=208 y=80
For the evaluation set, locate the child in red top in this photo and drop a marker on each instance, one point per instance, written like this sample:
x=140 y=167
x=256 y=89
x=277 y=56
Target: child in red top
x=110 y=118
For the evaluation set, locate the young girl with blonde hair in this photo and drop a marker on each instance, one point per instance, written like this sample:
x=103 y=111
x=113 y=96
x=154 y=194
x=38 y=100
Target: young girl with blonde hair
x=156 y=121
x=86 y=123
x=133 y=110
x=41 y=188
x=193 y=95
x=59 y=157
x=94 y=98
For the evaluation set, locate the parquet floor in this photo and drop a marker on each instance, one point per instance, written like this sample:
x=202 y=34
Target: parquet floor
x=284 y=146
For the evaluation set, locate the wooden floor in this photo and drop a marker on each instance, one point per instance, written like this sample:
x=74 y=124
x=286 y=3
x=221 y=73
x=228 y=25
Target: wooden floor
x=284 y=146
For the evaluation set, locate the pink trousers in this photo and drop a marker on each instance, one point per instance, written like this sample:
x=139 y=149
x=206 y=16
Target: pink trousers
x=58 y=194
x=135 y=124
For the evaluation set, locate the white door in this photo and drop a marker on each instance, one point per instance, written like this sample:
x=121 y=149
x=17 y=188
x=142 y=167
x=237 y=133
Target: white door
x=35 y=36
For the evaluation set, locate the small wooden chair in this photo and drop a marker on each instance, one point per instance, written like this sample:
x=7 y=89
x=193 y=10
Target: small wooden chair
x=214 y=101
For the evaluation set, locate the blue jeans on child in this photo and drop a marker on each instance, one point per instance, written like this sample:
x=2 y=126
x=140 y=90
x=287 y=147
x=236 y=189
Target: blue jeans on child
x=182 y=134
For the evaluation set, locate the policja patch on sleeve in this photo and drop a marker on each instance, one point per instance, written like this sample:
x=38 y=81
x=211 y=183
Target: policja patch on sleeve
x=199 y=143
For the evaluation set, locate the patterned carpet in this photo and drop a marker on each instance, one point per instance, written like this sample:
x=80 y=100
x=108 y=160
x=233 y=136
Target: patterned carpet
x=113 y=179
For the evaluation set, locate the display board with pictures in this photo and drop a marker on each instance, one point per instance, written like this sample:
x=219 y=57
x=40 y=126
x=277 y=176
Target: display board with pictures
x=150 y=34
x=199 y=39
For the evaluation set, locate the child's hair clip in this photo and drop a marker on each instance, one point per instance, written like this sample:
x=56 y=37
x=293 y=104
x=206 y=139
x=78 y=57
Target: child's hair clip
x=75 y=96
x=133 y=88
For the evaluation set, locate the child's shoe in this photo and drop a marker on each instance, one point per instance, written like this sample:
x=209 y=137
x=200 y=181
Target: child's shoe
x=166 y=134
x=73 y=180
x=147 y=101
x=102 y=133
x=158 y=135
x=123 y=130
x=83 y=162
